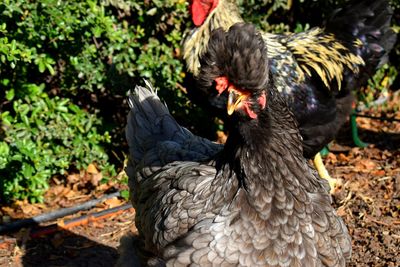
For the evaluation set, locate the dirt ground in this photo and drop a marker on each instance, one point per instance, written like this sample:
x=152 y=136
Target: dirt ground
x=368 y=199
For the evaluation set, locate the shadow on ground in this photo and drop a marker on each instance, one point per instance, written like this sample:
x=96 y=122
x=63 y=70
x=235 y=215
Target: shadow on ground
x=62 y=248
x=380 y=139
x=67 y=249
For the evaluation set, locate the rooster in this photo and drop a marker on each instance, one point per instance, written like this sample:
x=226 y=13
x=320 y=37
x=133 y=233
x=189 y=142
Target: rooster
x=315 y=70
x=254 y=201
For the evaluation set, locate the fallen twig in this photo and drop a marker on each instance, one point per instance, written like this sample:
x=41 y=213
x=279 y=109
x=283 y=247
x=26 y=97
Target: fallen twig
x=14 y=226
x=85 y=219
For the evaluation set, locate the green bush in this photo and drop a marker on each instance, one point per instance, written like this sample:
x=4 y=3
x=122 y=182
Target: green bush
x=89 y=44
x=45 y=136
x=61 y=62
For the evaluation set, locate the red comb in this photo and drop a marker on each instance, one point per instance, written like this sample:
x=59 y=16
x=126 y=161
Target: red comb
x=200 y=9
x=199 y=15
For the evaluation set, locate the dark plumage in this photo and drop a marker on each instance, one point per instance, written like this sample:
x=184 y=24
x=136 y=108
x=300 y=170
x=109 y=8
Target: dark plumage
x=314 y=70
x=253 y=202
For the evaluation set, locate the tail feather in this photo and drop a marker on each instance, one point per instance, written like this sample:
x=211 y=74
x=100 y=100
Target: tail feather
x=149 y=122
x=369 y=22
x=154 y=137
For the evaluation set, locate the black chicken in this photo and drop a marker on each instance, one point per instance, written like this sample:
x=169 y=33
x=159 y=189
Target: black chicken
x=254 y=201
x=315 y=70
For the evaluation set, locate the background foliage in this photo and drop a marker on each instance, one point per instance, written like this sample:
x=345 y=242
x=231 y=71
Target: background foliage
x=66 y=66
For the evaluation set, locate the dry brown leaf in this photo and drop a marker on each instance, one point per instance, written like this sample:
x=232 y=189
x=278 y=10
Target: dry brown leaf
x=96 y=178
x=73 y=178
x=92 y=169
x=5 y=245
x=378 y=173
x=221 y=137
x=70 y=194
x=331 y=158
x=98 y=224
x=341 y=211
x=75 y=187
x=56 y=180
x=104 y=187
x=365 y=165
x=17 y=257
x=57 y=190
x=30 y=210
x=113 y=202
x=343 y=157
x=8 y=210
x=27 y=209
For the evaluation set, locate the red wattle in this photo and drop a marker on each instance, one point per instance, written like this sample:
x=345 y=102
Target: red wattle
x=250 y=112
x=262 y=100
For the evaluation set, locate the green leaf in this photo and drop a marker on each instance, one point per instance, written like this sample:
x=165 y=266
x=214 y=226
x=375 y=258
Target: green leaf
x=152 y=11
x=125 y=194
x=50 y=69
x=4 y=153
x=10 y=94
x=42 y=66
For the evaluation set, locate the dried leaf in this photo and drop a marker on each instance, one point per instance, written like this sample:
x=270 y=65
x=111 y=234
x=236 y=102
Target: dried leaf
x=113 y=202
x=71 y=194
x=96 y=178
x=73 y=178
x=92 y=169
x=365 y=165
x=341 y=211
x=378 y=173
x=331 y=158
x=57 y=190
x=221 y=137
x=343 y=157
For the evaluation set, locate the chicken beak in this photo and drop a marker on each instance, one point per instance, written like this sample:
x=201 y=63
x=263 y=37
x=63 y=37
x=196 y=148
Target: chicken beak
x=234 y=99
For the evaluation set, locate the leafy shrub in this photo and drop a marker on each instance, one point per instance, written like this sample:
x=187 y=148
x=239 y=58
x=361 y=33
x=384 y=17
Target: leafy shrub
x=45 y=136
x=84 y=45
x=84 y=52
